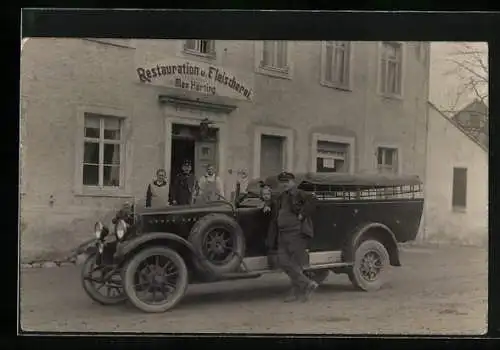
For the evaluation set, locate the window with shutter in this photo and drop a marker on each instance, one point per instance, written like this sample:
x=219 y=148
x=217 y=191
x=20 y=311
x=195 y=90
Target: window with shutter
x=200 y=47
x=103 y=147
x=336 y=63
x=391 y=68
x=331 y=157
x=274 y=55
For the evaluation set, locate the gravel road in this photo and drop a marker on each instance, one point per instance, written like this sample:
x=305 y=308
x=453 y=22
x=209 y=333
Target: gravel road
x=436 y=291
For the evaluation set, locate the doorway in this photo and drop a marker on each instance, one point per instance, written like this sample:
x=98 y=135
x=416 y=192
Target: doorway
x=271 y=155
x=182 y=149
x=186 y=145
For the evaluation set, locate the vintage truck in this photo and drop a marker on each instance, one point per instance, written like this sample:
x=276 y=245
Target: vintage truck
x=149 y=256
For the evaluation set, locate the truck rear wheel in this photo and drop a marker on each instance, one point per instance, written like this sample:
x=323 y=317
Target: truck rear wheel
x=371 y=261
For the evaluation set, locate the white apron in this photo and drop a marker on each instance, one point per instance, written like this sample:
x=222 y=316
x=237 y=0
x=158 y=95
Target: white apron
x=159 y=195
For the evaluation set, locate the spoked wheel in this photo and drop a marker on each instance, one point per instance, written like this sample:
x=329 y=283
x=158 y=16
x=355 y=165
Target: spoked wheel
x=370 y=266
x=219 y=239
x=155 y=279
x=218 y=246
x=105 y=292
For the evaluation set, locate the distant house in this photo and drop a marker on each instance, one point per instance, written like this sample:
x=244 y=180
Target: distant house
x=474 y=120
x=456 y=186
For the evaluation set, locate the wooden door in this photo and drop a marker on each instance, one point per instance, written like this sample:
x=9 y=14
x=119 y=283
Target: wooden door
x=271 y=155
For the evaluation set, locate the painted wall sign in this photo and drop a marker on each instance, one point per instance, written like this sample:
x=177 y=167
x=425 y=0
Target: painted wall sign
x=194 y=76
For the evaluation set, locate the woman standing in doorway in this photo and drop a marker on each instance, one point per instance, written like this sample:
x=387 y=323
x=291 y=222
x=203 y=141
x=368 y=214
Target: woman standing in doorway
x=157 y=192
x=210 y=187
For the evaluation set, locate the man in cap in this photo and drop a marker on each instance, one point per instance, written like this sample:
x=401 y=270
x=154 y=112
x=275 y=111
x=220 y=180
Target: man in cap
x=183 y=185
x=292 y=220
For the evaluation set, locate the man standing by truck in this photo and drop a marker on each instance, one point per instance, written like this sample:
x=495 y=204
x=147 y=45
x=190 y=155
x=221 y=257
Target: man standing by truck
x=292 y=217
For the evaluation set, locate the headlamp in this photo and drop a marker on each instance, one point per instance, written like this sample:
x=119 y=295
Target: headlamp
x=120 y=229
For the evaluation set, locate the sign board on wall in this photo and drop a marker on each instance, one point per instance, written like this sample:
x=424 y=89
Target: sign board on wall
x=195 y=76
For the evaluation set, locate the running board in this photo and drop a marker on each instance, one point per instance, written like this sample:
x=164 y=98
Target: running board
x=257 y=274
x=313 y=267
x=239 y=276
x=327 y=266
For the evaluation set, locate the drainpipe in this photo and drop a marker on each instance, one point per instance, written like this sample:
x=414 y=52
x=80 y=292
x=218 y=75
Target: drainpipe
x=426 y=152
x=363 y=161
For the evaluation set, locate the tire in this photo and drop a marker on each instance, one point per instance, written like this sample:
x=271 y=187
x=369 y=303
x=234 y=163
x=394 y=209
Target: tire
x=180 y=284
x=358 y=274
x=91 y=289
x=318 y=276
x=230 y=229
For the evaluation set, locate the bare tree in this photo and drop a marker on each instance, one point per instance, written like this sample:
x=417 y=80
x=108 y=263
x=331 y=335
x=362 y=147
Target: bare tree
x=469 y=64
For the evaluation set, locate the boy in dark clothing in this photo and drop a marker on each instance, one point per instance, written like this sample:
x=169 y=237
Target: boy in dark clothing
x=183 y=186
x=291 y=222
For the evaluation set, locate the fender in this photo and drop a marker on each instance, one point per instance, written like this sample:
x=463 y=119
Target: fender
x=88 y=247
x=126 y=247
x=389 y=242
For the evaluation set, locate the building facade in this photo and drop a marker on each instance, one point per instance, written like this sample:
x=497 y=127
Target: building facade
x=473 y=118
x=100 y=116
x=456 y=191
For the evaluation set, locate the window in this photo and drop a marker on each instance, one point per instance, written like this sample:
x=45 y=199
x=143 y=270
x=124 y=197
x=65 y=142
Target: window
x=275 y=55
x=475 y=121
x=102 y=151
x=387 y=160
x=336 y=63
x=391 y=68
x=331 y=157
x=200 y=47
x=459 y=195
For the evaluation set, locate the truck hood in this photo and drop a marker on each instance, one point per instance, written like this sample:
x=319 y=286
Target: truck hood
x=187 y=209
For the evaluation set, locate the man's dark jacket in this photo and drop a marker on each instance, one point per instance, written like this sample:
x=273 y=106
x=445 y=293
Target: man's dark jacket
x=301 y=202
x=182 y=188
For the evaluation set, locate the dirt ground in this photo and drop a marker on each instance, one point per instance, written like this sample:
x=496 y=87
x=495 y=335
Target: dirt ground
x=436 y=291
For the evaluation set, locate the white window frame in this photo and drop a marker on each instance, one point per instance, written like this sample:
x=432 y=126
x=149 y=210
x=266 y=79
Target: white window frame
x=124 y=189
x=403 y=70
x=212 y=54
x=349 y=70
x=288 y=147
x=347 y=140
x=286 y=73
x=399 y=153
